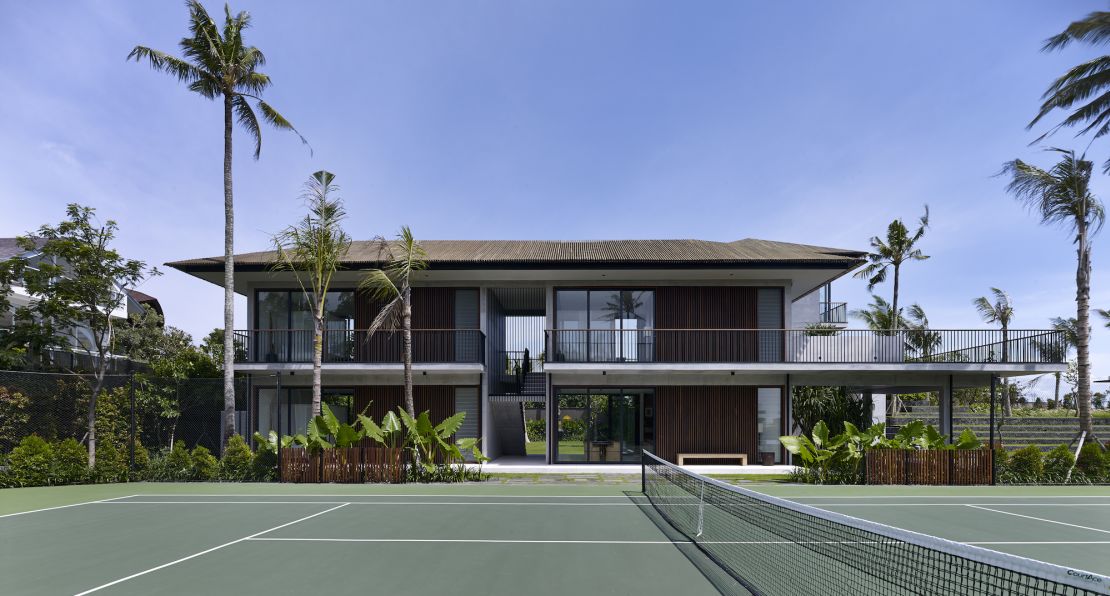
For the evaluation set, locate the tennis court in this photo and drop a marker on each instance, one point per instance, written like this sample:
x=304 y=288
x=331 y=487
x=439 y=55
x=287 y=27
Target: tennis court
x=468 y=539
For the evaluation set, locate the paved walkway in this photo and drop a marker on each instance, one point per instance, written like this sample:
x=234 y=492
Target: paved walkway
x=535 y=465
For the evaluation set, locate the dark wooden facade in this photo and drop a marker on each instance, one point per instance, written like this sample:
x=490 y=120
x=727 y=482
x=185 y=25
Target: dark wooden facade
x=706 y=419
x=439 y=400
x=433 y=315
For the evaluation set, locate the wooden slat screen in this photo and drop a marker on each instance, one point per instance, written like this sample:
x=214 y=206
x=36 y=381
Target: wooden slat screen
x=706 y=307
x=706 y=419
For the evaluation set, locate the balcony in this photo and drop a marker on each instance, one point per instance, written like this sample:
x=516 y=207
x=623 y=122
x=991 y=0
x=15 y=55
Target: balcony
x=834 y=313
x=429 y=346
x=807 y=346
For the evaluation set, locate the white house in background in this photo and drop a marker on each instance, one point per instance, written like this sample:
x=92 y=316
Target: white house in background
x=82 y=344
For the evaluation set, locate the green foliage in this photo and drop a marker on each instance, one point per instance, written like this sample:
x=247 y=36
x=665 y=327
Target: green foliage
x=833 y=405
x=206 y=467
x=235 y=465
x=111 y=463
x=1093 y=463
x=14 y=418
x=142 y=460
x=173 y=465
x=572 y=429
x=1025 y=465
x=1057 y=464
x=536 y=429
x=70 y=463
x=30 y=463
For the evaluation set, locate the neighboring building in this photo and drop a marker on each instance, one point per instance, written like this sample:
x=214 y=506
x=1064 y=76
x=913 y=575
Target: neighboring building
x=81 y=352
x=679 y=346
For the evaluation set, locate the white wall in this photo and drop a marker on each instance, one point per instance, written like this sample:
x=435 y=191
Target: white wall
x=806 y=310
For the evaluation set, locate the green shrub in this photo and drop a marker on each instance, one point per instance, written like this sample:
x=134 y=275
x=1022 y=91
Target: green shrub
x=235 y=466
x=111 y=463
x=1092 y=463
x=14 y=417
x=30 y=462
x=173 y=465
x=70 y=462
x=264 y=466
x=1026 y=465
x=206 y=467
x=142 y=461
x=1057 y=464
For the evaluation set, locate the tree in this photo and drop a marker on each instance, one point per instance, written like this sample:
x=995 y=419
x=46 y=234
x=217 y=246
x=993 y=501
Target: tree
x=879 y=316
x=1000 y=311
x=77 y=284
x=1062 y=196
x=392 y=286
x=218 y=65
x=168 y=351
x=1058 y=349
x=898 y=247
x=1083 y=89
x=313 y=251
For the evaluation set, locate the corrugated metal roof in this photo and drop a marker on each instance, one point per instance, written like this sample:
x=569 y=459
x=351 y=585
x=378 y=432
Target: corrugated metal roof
x=9 y=248
x=555 y=252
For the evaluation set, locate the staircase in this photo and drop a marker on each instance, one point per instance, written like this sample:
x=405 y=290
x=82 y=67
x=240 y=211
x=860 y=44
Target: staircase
x=1045 y=432
x=534 y=384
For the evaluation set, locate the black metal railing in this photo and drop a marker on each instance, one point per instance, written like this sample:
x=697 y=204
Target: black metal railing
x=834 y=313
x=833 y=346
x=429 y=346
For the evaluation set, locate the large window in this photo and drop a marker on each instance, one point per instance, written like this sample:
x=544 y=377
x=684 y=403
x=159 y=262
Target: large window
x=604 y=325
x=604 y=425
x=289 y=410
x=283 y=319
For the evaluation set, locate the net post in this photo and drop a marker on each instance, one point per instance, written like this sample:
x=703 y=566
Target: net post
x=643 y=471
x=131 y=390
x=994 y=473
x=701 y=509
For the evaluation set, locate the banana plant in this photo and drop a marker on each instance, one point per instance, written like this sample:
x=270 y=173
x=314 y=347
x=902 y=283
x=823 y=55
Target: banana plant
x=327 y=432
x=270 y=442
x=388 y=434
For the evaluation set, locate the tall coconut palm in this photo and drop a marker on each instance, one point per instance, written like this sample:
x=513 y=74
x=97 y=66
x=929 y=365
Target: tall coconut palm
x=1083 y=89
x=218 y=65
x=392 y=286
x=1062 y=196
x=1000 y=311
x=898 y=247
x=313 y=251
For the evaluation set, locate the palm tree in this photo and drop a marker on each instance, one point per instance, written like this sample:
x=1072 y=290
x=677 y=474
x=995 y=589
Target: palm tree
x=898 y=247
x=919 y=339
x=313 y=250
x=1082 y=90
x=1000 y=311
x=879 y=316
x=1105 y=314
x=392 y=285
x=217 y=65
x=1062 y=196
x=1059 y=348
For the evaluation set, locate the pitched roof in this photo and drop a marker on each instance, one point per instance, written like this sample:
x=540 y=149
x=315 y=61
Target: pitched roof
x=588 y=253
x=9 y=248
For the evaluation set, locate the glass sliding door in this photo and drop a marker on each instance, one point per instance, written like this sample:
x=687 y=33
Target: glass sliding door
x=601 y=325
x=602 y=425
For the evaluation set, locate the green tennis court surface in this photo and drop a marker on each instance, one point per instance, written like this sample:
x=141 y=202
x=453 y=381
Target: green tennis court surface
x=461 y=539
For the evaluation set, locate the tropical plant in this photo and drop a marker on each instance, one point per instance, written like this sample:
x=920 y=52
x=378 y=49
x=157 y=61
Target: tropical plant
x=1059 y=347
x=1025 y=466
x=920 y=339
x=1058 y=464
x=313 y=251
x=1082 y=90
x=879 y=316
x=833 y=405
x=1062 y=196
x=217 y=64
x=77 y=281
x=392 y=286
x=1000 y=311
x=235 y=464
x=896 y=249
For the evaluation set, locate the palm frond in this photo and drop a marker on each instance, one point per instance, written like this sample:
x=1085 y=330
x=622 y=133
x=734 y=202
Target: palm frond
x=1093 y=29
x=278 y=121
x=249 y=121
x=163 y=62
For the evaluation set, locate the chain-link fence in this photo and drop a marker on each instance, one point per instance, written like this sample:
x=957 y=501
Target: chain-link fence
x=130 y=409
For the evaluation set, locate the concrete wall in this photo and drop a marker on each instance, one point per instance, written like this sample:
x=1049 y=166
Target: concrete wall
x=806 y=310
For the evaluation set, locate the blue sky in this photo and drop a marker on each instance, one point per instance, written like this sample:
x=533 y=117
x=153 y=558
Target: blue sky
x=812 y=122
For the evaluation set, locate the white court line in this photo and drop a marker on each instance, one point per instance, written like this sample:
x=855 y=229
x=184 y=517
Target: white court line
x=733 y=542
x=415 y=503
x=65 y=506
x=864 y=497
x=393 y=496
x=957 y=504
x=204 y=552
x=1051 y=521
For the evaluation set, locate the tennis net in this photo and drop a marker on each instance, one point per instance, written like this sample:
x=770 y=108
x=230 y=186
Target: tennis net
x=772 y=546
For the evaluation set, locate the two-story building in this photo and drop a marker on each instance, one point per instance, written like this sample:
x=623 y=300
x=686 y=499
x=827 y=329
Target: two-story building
x=588 y=351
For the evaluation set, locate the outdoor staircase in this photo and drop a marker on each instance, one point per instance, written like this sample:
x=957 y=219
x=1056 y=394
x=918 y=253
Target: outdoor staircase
x=534 y=384
x=1045 y=432
x=508 y=422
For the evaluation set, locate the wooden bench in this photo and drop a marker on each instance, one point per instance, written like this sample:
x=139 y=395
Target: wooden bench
x=740 y=456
